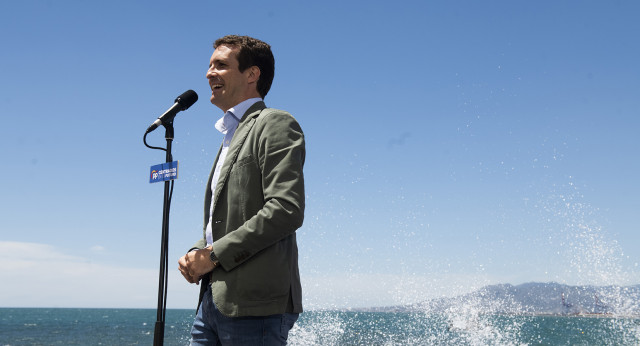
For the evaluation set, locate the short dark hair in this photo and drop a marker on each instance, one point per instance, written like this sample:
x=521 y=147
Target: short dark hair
x=253 y=52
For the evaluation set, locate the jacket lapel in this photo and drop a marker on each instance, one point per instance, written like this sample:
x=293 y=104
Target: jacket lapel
x=246 y=123
x=207 y=194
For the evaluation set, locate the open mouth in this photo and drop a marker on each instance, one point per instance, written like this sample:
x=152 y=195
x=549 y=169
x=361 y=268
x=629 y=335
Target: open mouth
x=216 y=86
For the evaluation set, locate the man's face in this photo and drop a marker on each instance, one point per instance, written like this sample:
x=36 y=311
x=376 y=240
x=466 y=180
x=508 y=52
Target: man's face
x=228 y=85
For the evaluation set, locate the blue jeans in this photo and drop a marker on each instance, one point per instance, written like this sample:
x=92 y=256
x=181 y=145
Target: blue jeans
x=213 y=328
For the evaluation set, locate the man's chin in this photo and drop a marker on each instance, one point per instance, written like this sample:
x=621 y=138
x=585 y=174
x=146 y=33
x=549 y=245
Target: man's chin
x=217 y=103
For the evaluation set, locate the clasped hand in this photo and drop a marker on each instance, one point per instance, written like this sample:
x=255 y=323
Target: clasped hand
x=195 y=264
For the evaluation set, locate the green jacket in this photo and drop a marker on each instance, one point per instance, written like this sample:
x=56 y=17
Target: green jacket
x=259 y=204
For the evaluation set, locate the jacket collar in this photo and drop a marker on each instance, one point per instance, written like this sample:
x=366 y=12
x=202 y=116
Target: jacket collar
x=253 y=111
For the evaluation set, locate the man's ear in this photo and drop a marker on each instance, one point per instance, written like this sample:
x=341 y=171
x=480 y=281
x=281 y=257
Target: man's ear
x=254 y=74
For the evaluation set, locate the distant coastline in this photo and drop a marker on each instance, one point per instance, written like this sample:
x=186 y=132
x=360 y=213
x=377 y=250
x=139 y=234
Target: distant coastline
x=535 y=299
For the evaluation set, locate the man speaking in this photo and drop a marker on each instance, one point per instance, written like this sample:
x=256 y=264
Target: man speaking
x=247 y=258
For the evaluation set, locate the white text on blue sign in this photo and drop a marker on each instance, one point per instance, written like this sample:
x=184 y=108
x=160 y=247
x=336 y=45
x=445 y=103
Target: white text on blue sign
x=163 y=172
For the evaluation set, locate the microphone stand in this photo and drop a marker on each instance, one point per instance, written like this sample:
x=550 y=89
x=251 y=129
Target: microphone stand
x=158 y=335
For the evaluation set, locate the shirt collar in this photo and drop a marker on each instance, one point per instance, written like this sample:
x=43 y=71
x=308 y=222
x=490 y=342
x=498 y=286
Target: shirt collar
x=231 y=118
x=243 y=106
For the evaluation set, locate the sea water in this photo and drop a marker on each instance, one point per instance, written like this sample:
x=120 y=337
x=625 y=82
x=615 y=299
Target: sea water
x=38 y=326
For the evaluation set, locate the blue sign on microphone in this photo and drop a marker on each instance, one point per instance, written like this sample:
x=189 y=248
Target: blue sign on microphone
x=163 y=172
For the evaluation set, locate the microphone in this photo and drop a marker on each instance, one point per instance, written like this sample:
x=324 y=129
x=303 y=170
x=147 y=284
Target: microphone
x=182 y=103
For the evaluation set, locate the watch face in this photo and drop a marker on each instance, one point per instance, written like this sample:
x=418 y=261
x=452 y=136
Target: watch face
x=213 y=257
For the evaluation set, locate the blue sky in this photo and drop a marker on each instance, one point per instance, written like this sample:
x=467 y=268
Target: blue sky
x=450 y=145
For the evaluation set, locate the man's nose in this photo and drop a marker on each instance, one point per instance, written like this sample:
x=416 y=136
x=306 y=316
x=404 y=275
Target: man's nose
x=210 y=73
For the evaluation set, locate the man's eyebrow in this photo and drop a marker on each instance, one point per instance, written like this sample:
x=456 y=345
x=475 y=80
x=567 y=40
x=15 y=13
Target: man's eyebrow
x=217 y=61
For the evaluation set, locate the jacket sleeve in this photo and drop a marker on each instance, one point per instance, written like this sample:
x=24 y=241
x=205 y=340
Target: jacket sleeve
x=200 y=244
x=276 y=207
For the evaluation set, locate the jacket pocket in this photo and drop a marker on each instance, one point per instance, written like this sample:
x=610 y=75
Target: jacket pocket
x=266 y=277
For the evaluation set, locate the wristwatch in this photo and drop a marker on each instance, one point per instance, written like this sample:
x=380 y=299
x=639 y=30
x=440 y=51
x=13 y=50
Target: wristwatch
x=214 y=258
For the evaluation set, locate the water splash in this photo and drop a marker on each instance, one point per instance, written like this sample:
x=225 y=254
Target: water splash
x=589 y=254
x=474 y=320
x=322 y=328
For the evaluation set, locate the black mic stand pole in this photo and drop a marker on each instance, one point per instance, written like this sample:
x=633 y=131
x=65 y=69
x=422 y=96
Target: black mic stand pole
x=158 y=335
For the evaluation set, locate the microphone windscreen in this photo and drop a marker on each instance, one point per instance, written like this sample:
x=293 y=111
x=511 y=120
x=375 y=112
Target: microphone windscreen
x=187 y=99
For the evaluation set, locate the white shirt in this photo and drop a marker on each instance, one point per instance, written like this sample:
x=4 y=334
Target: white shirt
x=227 y=125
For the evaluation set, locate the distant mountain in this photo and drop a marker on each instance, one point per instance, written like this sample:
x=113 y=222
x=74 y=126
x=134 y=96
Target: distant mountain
x=537 y=298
